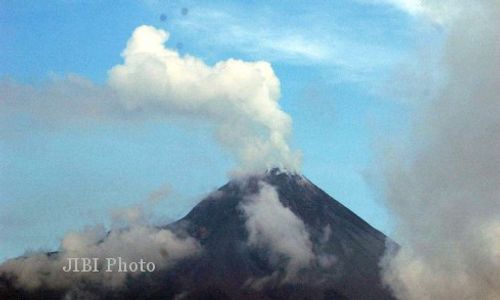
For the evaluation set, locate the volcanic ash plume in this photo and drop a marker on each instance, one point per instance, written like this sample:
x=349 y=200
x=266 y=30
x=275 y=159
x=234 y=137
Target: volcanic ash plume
x=447 y=198
x=238 y=99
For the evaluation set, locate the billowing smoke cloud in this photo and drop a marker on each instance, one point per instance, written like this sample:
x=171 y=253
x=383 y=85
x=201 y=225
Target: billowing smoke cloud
x=239 y=99
x=135 y=242
x=445 y=189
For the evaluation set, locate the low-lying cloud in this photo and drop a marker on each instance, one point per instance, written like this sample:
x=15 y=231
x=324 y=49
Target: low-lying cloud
x=133 y=238
x=138 y=241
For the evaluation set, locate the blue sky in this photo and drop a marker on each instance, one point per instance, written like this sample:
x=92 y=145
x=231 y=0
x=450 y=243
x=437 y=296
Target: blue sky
x=336 y=62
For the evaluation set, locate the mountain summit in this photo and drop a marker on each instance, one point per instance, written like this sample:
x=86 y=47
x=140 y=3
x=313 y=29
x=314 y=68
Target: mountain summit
x=270 y=236
x=346 y=250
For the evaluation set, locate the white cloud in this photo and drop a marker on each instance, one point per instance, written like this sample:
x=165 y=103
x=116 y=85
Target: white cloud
x=265 y=40
x=439 y=11
x=272 y=226
x=311 y=37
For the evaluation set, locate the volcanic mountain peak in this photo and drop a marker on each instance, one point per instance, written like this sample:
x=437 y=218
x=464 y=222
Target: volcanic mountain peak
x=339 y=251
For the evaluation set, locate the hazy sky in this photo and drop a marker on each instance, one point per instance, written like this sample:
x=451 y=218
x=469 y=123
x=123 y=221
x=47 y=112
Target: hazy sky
x=336 y=61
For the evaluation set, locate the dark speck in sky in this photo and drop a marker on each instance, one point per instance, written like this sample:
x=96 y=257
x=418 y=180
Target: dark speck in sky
x=184 y=11
x=163 y=17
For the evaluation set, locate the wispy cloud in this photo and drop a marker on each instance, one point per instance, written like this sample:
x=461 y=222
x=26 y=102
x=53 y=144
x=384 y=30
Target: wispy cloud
x=263 y=40
x=275 y=36
x=439 y=12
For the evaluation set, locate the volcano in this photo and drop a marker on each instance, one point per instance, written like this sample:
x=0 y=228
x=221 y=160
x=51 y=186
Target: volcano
x=341 y=252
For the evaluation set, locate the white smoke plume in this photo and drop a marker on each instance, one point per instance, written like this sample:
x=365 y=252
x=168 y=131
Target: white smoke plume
x=238 y=99
x=444 y=188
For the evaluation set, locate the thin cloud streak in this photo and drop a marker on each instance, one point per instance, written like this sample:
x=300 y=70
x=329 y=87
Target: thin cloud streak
x=273 y=39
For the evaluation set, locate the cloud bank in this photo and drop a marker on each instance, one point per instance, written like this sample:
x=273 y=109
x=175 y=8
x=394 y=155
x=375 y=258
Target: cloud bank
x=238 y=99
x=133 y=237
x=444 y=188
